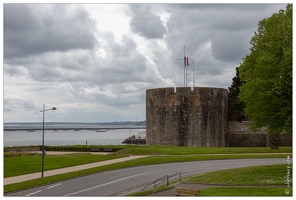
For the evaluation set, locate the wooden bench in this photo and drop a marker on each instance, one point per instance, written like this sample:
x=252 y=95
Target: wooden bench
x=186 y=192
x=108 y=150
x=95 y=150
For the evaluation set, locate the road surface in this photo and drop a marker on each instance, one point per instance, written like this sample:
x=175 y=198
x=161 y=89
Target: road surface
x=123 y=181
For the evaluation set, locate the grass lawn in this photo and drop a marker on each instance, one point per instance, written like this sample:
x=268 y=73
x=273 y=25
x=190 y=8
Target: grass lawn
x=259 y=175
x=175 y=150
x=14 y=166
x=30 y=164
x=240 y=191
x=270 y=181
x=247 y=181
x=131 y=163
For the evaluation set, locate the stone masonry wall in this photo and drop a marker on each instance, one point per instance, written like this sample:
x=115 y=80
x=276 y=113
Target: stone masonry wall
x=185 y=117
x=240 y=135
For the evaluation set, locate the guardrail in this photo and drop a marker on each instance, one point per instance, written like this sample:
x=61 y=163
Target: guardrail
x=162 y=179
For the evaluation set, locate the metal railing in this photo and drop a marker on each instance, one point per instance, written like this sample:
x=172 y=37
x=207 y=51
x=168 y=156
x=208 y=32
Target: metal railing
x=162 y=179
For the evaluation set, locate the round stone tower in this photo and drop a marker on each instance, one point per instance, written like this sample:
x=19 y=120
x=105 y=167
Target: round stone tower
x=186 y=117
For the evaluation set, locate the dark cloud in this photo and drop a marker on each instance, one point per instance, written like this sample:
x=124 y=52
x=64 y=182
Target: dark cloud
x=127 y=48
x=114 y=96
x=230 y=47
x=54 y=54
x=227 y=27
x=14 y=70
x=145 y=23
x=123 y=63
x=12 y=102
x=39 y=28
x=225 y=7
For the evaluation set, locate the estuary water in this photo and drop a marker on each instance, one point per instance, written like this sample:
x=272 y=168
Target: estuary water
x=30 y=135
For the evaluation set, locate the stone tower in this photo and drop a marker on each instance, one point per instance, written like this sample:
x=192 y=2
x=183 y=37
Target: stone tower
x=186 y=117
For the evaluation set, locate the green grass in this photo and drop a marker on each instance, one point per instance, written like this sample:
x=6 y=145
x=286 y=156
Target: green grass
x=131 y=163
x=30 y=164
x=258 y=175
x=240 y=191
x=266 y=180
x=14 y=166
x=154 y=190
x=176 y=150
x=270 y=181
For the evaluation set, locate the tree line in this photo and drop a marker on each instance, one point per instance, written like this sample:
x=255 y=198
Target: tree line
x=263 y=81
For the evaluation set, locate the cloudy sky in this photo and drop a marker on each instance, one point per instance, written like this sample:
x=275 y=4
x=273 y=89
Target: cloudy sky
x=94 y=62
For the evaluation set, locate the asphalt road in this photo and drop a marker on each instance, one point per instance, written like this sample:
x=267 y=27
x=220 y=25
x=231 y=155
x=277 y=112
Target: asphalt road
x=123 y=181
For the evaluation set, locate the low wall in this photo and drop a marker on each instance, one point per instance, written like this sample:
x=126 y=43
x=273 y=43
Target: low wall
x=21 y=149
x=239 y=135
x=248 y=140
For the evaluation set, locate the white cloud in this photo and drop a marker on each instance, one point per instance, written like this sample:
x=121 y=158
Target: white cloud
x=109 y=18
x=94 y=62
x=96 y=91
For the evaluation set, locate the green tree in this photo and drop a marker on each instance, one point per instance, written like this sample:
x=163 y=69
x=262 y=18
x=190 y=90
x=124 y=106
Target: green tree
x=233 y=93
x=236 y=83
x=266 y=73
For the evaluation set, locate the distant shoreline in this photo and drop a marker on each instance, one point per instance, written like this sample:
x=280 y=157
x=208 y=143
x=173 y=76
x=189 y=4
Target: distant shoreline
x=70 y=128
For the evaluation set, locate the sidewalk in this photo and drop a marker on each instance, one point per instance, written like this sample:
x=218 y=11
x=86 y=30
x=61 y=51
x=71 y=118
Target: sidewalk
x=26 y=177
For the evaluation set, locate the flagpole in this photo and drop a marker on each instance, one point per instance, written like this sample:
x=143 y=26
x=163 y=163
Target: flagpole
x=193 y=75
x=184 y=67
x=186 y=75
x=185 y=60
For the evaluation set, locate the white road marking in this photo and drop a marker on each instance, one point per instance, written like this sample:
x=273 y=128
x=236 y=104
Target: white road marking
x=33 y=193
x=54 y=186
x=105 y=184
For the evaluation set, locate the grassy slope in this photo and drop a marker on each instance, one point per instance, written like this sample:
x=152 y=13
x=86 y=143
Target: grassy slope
x=173 y=150
x=270 y=179
x=14 y=166
x=182 y=154
x=222 y=191
x=258 y=181
x=259 y=175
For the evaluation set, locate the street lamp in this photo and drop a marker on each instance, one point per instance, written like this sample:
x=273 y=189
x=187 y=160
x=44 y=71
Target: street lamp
x=43 y=152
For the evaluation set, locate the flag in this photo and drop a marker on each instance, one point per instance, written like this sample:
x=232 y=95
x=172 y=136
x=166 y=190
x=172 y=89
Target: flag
x=186 y=61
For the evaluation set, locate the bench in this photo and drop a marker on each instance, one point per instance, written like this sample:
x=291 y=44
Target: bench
x=104 y=150
x=108 y=150
x=95 y=150
x=186 y=192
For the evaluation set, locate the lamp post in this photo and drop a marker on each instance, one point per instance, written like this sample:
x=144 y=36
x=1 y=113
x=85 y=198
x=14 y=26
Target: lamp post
x=43 y=152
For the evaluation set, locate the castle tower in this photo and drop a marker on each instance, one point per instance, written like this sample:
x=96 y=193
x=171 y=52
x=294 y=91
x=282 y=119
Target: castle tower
x=186 y=118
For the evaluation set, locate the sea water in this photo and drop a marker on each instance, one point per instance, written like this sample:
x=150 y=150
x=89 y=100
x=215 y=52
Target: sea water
x=68 y=137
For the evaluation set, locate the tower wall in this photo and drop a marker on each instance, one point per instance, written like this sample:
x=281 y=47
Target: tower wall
x=185 y=117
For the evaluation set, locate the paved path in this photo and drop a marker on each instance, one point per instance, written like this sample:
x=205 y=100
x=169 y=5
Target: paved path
x=68 y=152
x=26 y=177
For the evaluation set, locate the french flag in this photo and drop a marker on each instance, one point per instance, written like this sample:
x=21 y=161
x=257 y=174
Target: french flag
x=186 y=62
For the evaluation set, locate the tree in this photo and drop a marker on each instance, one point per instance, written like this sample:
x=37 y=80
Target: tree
x=236 y=83
x=266 y=73
x=233 y=93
